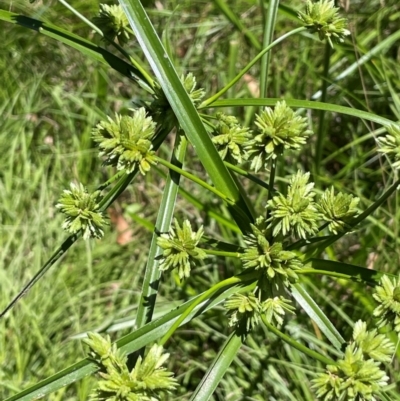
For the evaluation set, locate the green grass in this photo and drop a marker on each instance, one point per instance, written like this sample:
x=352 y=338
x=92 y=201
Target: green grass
x=51 y=97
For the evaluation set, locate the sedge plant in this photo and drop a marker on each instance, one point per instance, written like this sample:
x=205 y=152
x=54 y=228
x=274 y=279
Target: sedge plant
x=279 y=246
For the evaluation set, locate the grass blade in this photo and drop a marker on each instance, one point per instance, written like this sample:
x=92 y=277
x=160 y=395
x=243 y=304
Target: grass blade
x=306 y=104
x=152 y=273
x=218 y=368
x=316 y=314
x=84 y=46
x=183 y=107
x=130 y=343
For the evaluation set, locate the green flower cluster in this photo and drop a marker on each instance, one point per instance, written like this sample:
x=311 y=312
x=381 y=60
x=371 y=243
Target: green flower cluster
x=274 y=262
x=358 y=376
x=113 y=22
x=230 y=138
x=390 y=145
x=82 y=211
x=147 y=381
x=160 y=107
x=180 y=249
x=126 y=142
x=245 y=310
x=279 y=129
x=297 y=211
x=387 y=294
x=338 y=209
x=322 y=17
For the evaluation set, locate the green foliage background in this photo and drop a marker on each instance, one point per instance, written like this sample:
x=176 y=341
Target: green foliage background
x=51 y=97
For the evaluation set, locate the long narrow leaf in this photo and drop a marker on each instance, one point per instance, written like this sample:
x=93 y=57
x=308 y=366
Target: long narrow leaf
x=306 y=104
x=316 y=314
x=218 y=368
x=83 y=45
x=183 y=107
x=152 y=273
x=130 y=343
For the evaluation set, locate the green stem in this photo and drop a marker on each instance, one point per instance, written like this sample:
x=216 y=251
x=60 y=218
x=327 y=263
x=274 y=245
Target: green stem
x=164 y=218
x=220 y=253
x=206 y=295
x=246 y=174
x=269 y=25
x=302 y=348
x=248 y=66
x=195 y=179
x=271 y=181
x=321 y=116
x=325 y=273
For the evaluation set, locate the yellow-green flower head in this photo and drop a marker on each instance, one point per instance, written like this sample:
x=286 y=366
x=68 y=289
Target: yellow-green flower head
x=387 y=294
x=113 y=22
x=358 y=376
x=147 y=381
x=230 y=138
x=160 y=106
x=126 y=142
x=274 y=262
x=390 y=145
x=275 y=309
x=323 y=17
x=82 y=211
x=244 y=310
x=180 y=248
x=337 y=209
x=278 y=130
x=296 y=212
x=373 y=345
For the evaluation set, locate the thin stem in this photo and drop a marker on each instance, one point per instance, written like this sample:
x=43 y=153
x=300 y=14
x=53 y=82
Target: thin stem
x=195 y=179
x=321 y=115
x=206 y=295
x=271 y=181
x=220 y=253
x=246 y=174
x=269 y=25
x=325 y=273
x=302 y=348
x=248 y=66
x=164 y=218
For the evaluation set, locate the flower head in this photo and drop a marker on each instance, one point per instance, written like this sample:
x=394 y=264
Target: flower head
x=82 y=211
x=113 y=22
x=322 y=17
x=337 y=209
x=126 y=142
x=243 y=310
x=278 y=130
x=374 y=345
x=297 y=210
x=271 y=258
x=276 y=308
x=390 y=145
x=145 y=382
x=160 y=106
x=180 y=248
x=230 y=138
x=387 y=294
x=358 y=376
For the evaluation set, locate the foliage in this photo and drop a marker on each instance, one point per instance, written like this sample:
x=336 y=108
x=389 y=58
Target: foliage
x=326 y=202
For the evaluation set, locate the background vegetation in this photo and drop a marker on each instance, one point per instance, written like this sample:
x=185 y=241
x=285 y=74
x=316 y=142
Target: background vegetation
x=51 y=97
